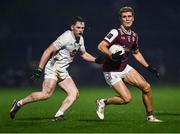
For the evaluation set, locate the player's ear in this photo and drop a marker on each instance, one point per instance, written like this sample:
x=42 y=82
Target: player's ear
x=133 y=19
x=72 y=27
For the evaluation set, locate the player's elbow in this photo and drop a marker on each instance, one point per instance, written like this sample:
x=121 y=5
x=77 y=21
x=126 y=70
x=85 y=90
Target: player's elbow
x=50 y=50
x=99 y=47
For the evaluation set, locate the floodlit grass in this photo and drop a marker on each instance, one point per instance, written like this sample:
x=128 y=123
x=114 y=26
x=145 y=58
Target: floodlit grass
x=81 y=118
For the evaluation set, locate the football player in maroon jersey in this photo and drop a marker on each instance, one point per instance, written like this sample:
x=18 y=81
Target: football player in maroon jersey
x=117 y=71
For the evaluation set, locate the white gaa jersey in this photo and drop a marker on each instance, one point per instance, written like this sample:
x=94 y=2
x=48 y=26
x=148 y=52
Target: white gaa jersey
x=67 y=49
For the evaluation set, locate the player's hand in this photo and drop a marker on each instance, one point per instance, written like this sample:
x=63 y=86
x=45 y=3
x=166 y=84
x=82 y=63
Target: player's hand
x=116 y=56
x=99 y=60
x=36 y=74
x=153 y=71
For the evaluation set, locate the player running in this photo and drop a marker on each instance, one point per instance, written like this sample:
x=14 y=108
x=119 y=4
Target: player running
x=63 y=51
x=117 y=71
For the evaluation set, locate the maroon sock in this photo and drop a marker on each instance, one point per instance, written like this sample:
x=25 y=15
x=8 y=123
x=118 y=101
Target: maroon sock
x=105 y=102
x=149 y=113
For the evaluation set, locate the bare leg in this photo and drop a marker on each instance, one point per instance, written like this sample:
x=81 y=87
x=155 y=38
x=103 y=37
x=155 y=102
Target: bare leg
x=72 y=92
x=123 y=98
x=123 y=92
x=135 y=79
x=48 y=87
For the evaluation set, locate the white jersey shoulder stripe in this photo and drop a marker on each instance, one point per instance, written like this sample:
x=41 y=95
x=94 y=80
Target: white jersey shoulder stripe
x=111 y=35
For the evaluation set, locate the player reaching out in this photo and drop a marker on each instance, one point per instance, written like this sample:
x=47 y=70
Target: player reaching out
x=63 y=51
x=116 y=70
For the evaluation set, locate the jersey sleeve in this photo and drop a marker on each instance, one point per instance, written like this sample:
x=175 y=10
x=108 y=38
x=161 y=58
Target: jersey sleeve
x=60 y=41
x=135 y=45
x=111 y=36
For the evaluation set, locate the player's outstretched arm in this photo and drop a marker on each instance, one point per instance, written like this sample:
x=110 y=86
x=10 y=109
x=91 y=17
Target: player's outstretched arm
x=88 y=57
x=139 y=57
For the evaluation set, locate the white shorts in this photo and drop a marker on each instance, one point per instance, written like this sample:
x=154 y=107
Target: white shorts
x=113 y=77
x=51 y=72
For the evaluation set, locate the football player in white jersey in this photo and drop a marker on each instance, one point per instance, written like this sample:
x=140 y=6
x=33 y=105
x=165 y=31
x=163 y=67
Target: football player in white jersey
x=63 y=51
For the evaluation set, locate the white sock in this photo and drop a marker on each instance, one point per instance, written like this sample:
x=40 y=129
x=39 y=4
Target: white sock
x=102 y=102
x=19 y=103
x=59 y=113
x=150 y=117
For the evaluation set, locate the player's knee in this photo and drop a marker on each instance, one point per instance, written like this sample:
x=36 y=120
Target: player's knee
x=74 y=96
x=46 y=95
x=127 y=99
x=147 y=88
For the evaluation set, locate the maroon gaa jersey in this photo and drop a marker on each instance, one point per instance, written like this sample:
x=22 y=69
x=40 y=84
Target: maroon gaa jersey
x=128 y=40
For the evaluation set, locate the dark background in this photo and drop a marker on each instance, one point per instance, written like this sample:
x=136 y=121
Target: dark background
x=27 y=27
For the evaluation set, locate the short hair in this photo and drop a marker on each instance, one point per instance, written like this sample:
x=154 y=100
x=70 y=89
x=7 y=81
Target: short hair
x=76 y=19
x=125 y=9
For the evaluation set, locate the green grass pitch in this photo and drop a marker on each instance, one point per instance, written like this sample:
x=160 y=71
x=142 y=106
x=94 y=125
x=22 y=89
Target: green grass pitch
x=81 y=117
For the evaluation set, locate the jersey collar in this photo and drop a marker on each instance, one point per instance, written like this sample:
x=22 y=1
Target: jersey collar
x=125 y=31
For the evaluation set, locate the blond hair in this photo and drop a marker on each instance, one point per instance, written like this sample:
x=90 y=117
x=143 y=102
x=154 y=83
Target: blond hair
x=125 y=9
